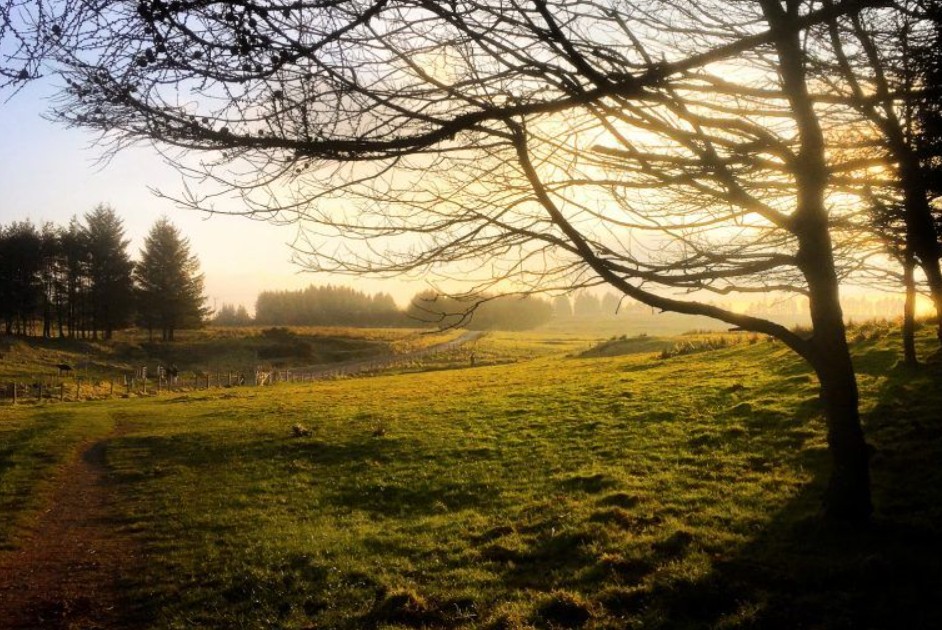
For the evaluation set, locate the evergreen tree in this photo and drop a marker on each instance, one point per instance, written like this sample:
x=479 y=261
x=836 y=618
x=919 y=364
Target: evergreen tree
x=50 y=254
x=74 y=250
x=505 y=312
x=326 y=306
x=20 y=281
x=229 y=315
x=562 y=307
x=927 y=61
x=169 y=284
x=586 y=305
x=109 y=271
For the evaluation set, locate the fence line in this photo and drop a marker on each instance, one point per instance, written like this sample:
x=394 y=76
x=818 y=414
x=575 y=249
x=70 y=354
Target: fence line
x=59 y=388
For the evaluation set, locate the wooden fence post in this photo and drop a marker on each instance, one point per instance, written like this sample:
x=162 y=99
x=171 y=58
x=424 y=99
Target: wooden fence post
x=62 y=391
x=111 y=392
x=13 y=385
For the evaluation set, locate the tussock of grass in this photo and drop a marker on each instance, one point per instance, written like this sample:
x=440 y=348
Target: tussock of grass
x=562 y=609
x=407 y=608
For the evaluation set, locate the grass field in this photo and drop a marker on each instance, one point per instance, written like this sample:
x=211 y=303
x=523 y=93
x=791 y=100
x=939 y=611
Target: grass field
x=540 y=489
x=99 y=368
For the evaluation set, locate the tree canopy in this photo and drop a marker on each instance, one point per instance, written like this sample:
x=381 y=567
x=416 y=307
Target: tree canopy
x=170 y=286
x=663 y=148
x=109 y=270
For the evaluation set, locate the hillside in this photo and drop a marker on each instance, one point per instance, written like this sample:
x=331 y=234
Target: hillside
x=552 y=491
x=210 y=350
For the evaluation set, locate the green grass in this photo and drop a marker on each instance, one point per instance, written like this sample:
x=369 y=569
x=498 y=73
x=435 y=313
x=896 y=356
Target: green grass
x=540 y=490
x=101 y=366
x=34 y=444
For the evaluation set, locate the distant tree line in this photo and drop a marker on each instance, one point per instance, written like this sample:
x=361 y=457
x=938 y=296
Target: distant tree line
x=342 y=306
x=232 y=315
x=506 y=312
x=78 y=280
x=326 y=306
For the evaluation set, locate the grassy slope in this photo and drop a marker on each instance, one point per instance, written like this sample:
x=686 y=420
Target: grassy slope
x=615 y=491
x=34 y=443
x=207 y=350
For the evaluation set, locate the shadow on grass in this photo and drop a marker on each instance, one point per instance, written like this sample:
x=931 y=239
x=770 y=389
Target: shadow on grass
x=796 y=572
x=355 y=483
x=802 y=572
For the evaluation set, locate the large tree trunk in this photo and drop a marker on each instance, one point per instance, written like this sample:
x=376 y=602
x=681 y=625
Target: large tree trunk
x=921 y=234
x=848 y=491
x=847 y=497
x=909 y=312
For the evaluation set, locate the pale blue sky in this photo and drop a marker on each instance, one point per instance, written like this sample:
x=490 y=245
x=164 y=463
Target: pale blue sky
x=49 y=173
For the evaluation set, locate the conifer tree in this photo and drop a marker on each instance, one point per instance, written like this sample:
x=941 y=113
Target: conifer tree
x=109 y=271
x=169 y=283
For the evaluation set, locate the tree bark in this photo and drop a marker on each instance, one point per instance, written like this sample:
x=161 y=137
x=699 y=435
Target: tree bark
x=847 y=497
x=921 y=237
x=909 y=312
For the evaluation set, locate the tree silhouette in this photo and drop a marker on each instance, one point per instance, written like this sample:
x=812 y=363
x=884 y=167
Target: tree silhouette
x=169 y=285
x=663 y=148
x=885 y=66
x=480 y=312
x=109 y=271
x=230 y=315
x=326 y=306
x=20 y=284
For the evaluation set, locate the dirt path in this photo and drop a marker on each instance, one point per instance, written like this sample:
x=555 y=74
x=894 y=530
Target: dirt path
x=68 y=571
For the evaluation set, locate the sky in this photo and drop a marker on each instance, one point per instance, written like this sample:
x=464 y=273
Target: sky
x=50 y=173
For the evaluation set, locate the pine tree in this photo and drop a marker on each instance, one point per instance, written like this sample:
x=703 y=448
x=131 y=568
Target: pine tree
x=20 y=282
x=169 y=284
x=927 y=61
x=73 y=243
x=109 y=270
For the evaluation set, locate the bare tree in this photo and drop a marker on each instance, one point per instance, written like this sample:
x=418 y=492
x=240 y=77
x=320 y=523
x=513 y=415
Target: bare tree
x=873 y=66
x=662 y=148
